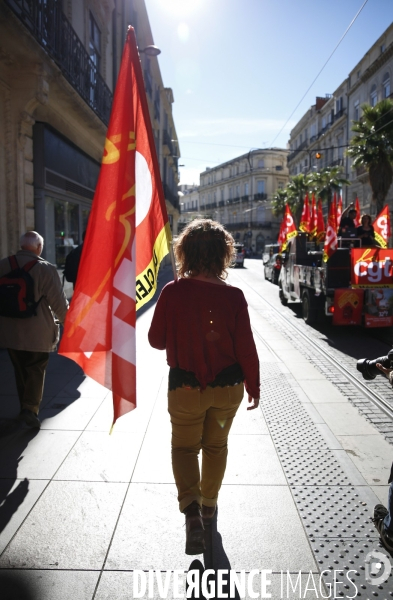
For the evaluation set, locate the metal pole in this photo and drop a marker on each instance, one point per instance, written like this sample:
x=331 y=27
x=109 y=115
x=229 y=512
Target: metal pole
x=173 y=262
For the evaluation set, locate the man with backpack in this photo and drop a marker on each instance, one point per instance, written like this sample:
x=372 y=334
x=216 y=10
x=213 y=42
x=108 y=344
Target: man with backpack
x=31 y=295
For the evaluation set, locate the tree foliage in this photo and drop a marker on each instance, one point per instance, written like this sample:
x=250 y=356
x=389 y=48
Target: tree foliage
x=322 y=183
x=372 y=148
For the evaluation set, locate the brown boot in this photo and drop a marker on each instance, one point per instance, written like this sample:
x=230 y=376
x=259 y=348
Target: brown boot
x=195 y=533
x=208 y=513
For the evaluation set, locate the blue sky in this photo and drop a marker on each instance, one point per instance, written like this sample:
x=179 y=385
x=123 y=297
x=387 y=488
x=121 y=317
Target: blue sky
x=238 y=68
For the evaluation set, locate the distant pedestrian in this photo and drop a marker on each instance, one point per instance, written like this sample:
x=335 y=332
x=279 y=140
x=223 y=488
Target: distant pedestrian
x=204 y=326
x=72 y=262
x=30 y=296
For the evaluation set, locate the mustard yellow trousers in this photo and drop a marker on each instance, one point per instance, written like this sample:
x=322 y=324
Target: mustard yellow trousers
x=201 y=420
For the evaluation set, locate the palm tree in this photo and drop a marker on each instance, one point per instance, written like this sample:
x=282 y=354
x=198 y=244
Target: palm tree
x=372 y=148
x=279 y=201
x=327 y=181
x=297 y=189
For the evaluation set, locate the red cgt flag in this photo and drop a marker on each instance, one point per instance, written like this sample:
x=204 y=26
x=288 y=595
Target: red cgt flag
x=357 y=219
x=313 y=218
x=281 y=234
x=382 y=227
x=339 y=211
x=127 y=237
x=289 y=228
x=331 y=234
x=305 y=218
x=320 y=223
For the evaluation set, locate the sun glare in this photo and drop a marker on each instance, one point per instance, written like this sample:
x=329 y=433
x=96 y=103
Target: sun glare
x=180 y=8
x=183 y=32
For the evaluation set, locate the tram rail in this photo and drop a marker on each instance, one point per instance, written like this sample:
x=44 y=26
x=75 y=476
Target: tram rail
x=371 y=395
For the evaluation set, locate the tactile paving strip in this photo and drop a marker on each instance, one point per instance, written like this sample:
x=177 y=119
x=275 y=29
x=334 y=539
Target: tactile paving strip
x=276 y=390
x=335 y=513
x=310 y=467
x=349 y=561
x=286 y=434
x=285 y=413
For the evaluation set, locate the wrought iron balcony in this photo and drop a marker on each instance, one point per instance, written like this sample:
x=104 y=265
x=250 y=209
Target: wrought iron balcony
x=339 y=114
x=248 y=225
x=48 y=24
x=167 y=141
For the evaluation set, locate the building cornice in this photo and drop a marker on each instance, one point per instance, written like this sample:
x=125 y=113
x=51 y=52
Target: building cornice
x=373 y=68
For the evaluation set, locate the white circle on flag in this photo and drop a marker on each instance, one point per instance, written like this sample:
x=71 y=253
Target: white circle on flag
x=143 y=188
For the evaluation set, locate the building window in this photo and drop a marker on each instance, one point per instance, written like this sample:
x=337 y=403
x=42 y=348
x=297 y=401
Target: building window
x=373 y=95
x=222 y=195
x=94 y=42
x=237 y=191
x=231 y=193
x=260 y=187
x=280 y=185
x=246 y=189
x=386 y=85
x=356 y=111
x=340 y=149
x=261 y=163
x=383 y=48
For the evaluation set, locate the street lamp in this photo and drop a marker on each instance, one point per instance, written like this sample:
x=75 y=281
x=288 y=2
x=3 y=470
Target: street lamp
x=150 y=51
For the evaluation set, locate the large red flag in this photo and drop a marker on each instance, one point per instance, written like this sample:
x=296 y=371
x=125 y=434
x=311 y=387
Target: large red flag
x=382 y=227
x=127 y=236
x=281 y=234
x=339 y=211
x=357 y=219
x=331 y=234
x=313 y=218
x=289 y=228
x=305 y=218
x=320 y=223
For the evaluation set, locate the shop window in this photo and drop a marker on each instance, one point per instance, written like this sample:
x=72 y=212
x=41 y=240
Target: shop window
x=66 y=230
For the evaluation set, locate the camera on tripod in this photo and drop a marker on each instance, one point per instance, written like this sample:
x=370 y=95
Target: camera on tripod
x=368 y=368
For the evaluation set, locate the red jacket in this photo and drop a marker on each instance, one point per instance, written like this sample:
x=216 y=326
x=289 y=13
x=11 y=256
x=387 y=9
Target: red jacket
x=205 y=327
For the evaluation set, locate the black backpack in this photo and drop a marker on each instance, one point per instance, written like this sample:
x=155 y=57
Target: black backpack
x=17 y=291
x=72 y=264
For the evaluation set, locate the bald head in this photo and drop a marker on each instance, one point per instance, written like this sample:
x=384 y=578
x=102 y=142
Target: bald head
x=32 y=241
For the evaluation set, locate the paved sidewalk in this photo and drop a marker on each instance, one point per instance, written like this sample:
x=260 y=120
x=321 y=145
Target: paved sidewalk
x=82 y=511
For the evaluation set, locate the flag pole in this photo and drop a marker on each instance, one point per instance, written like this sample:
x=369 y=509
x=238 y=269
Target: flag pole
x=173 y=262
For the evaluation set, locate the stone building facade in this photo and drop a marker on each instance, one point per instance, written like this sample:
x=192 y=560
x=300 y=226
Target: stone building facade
x=239 y=194
x=325 y=129
x=59 y=61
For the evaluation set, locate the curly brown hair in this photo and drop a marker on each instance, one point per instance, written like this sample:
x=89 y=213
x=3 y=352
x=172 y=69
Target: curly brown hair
x=204 y=247
x=367 y=216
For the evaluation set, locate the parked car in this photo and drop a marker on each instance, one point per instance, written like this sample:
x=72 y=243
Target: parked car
x=272 y=268
x=240 y=254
